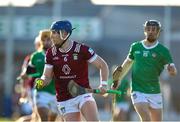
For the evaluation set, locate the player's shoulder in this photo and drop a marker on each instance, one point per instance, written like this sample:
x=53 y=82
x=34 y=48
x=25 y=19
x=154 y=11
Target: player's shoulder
x=35 y=53
x=162 y=47
x=51 y=51
x=79 y=46
x=136 y=43
x=79 y=43
x=38 y=54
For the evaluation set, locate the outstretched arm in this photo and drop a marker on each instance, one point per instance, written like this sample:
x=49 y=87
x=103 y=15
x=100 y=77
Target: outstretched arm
x=121 y=71
x=46 y=76
x=104 y=70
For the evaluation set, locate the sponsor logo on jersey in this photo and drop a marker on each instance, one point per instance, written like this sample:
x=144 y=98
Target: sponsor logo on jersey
x=68 y=77
x=137 y=52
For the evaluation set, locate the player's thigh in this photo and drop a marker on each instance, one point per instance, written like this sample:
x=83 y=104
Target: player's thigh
x=140 y=102
x=156 y=114
x=142 y=108
x=89 y=111
x=75 y=116
x=42 y=99
x=123 y=106
x=88 y=107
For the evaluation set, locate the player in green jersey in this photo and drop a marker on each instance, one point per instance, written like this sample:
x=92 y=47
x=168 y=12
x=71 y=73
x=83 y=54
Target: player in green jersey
x=147 y=58
x=44 y=98
x=26 y=86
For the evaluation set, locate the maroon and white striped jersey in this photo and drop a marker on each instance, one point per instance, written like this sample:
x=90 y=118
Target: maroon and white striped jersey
x=70 y=65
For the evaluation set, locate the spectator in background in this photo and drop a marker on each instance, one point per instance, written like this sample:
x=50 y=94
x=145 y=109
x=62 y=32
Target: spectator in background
x=44 y=99
x=25 y=87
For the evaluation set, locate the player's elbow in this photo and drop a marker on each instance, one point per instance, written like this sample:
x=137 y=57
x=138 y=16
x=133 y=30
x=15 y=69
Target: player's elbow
x=104 y=65
x=100 y=63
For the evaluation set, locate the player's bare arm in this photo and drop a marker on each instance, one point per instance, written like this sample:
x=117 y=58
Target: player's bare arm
x=104 y=71
x=46 y=77
x=121 y=71
x=172 y=69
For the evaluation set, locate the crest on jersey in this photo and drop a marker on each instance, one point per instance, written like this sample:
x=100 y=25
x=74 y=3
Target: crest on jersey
x=137 y=52
x=154 y=55
x=75 y=56
x=145 y=53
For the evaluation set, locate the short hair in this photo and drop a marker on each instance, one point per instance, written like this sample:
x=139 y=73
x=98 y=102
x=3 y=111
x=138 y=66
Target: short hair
x=44 y=34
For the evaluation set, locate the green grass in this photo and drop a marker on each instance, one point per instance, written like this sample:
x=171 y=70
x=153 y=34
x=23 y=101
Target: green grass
x=5 y=120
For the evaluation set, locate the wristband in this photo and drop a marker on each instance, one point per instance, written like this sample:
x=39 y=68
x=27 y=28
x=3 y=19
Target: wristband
x=103 y=84
x=43 y=77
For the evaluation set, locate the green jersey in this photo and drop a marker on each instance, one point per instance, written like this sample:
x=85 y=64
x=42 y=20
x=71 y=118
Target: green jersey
x=38 y=61
x=148 y=63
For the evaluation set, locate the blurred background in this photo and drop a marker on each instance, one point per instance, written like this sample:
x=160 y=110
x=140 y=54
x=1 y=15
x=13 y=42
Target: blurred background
x=108 y=29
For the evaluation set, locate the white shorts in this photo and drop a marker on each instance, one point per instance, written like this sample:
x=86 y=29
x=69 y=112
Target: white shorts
x=154 y=100
x=74 y=104
x=26 y=108
x=47 y=100
x=123 y=106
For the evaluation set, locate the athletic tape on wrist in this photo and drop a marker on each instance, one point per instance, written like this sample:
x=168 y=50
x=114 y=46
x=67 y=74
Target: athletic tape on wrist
x=103 y=83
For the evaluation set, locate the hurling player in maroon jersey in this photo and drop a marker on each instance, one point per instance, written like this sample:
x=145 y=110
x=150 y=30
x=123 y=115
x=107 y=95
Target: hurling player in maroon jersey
x=68 y=60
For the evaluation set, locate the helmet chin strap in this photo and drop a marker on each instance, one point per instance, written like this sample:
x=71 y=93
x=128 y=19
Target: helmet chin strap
x=64 y=39
x=60 y=33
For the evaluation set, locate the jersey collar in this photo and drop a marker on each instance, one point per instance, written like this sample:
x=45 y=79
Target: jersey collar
x=69 y=48
x=153 y=46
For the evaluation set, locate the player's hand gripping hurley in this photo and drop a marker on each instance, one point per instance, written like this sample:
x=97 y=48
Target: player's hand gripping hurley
x=116 y=76
x=75 y=90
x=39 y=83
